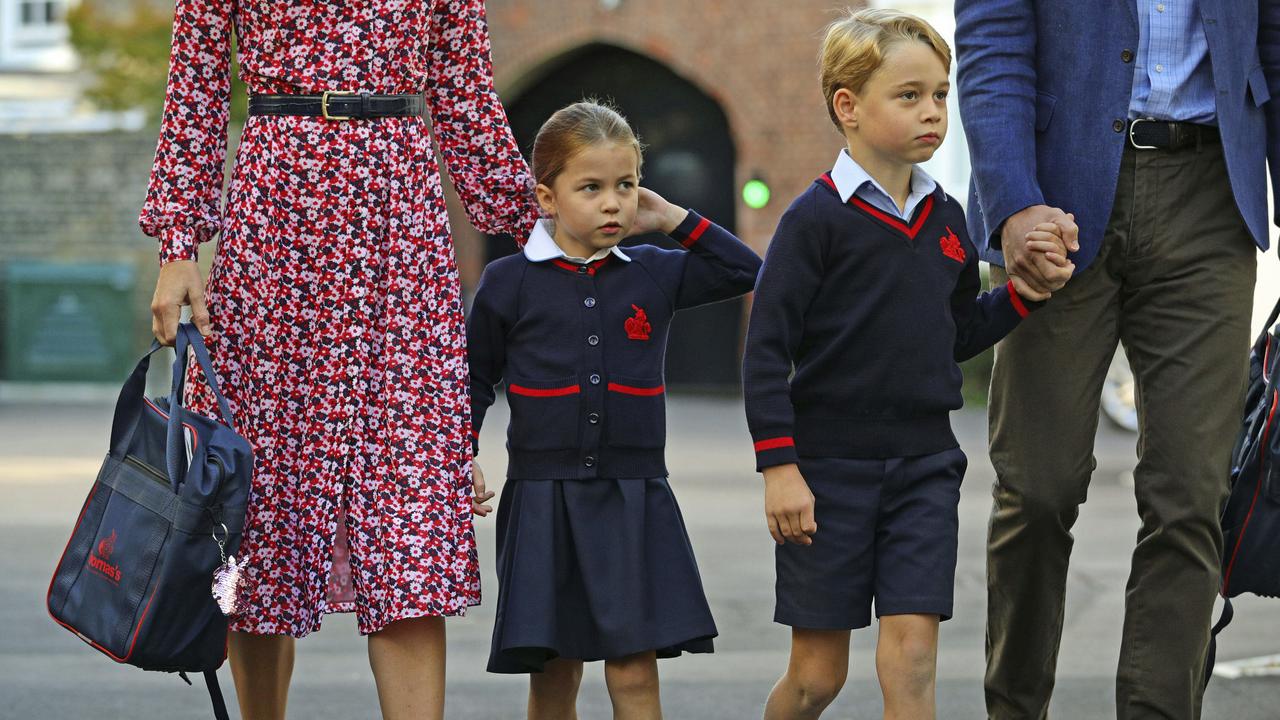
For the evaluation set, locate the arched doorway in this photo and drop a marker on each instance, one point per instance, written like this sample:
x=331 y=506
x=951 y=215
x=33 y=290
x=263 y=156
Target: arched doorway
x=689 y=160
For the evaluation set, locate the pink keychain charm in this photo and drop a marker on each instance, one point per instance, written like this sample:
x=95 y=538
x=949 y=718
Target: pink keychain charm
x=228 y=579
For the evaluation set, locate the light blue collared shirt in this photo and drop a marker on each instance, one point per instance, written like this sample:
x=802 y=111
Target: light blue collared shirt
x=1172 y=79
x=850 y=180
x=541 y=246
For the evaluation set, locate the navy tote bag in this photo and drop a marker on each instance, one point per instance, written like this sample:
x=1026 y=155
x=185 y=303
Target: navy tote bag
x=164 y=515
x=1251 y=517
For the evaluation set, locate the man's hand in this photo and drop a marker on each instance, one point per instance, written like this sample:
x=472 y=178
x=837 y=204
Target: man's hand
x=1035 y=272
x=788 y=505
x=179 y=284
x=655 y=214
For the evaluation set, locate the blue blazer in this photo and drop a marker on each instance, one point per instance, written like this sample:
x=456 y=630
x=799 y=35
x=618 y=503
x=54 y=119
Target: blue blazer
x=1042 y=84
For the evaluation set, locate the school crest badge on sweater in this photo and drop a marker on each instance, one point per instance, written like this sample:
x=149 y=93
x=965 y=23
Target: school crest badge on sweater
x=951 y=246
x=637 y=326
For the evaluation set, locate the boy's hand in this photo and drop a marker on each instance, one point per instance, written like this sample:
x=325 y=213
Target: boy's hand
x=1019 y=262
x=655 y=214
x=1047 y=249
x=480 y=494
x=788 y=505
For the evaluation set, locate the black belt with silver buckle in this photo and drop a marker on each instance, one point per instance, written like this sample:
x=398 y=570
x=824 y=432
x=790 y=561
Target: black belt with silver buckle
x=1147 y=134
x=335 y=105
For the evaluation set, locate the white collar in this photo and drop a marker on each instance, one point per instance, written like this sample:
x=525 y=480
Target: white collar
x=541 y=246
x=849 y=176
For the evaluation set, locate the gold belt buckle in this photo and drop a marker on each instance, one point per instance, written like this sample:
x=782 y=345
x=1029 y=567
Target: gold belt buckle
x=324 y=104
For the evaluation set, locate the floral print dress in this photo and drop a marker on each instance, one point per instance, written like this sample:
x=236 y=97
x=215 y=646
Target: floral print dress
x=334 y=293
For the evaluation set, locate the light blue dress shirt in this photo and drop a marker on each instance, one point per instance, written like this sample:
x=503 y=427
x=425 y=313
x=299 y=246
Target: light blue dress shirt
x=1172 y=79
x=851 y=180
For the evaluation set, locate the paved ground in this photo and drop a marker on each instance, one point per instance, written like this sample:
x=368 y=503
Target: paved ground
x=48 y=456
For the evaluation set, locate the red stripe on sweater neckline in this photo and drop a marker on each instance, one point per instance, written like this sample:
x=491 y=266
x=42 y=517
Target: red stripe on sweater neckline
x=922 y=215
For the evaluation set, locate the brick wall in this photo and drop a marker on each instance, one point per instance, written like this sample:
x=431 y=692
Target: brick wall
x=756 y=58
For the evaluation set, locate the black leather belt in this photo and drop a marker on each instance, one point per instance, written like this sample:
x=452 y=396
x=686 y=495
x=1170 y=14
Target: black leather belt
x=334 y=105
x=1147 y=134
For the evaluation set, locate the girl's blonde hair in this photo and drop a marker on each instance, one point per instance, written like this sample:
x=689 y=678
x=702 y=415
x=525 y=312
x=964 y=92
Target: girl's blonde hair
x=571 y=129
x=855 y=46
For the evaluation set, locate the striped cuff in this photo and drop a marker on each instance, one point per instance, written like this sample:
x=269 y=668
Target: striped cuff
x=1021 y=306
x=690 y=229
x=775 y=450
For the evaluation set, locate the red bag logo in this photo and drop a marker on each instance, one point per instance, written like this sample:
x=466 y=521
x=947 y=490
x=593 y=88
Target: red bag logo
x=107 y=546
x=98 y=561
x=638 y=327
x=951 y=246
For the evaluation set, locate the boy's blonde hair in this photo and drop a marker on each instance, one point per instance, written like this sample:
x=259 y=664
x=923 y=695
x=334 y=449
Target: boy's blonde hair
x=855 y=46
x=571 y=129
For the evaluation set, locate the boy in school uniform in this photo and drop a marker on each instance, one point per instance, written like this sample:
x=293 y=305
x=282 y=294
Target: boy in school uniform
x=868 y=299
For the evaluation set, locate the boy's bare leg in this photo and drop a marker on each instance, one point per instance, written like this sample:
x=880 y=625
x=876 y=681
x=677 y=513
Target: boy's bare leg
x=261 y=666
x=553 y=693
x=907 y=665
x=817 y=670
x=633 y=686
x=407 y=658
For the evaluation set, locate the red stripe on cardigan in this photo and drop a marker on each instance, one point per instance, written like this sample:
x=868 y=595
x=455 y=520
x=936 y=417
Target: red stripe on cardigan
x=629 y=390
x=696 y=233
x=544 y=392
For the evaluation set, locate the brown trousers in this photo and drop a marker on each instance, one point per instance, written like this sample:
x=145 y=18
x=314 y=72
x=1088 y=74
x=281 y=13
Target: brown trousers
x=1174 y=283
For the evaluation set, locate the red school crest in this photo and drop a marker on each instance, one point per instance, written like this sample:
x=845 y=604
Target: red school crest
x=951 y=246
x=638 y=327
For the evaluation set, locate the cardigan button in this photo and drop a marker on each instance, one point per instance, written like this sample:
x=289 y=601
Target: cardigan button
x=1126 y=56
x=589 y=302
x=593 y=340
x=583 y=270
x=593 y=418
x=589 y=461
x=595 y=379
x=1118 y=126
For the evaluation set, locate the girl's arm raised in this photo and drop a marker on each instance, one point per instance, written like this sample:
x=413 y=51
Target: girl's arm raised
x=718 y=265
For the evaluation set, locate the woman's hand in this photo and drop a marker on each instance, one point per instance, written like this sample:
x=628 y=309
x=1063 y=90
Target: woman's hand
x=655 y=214
x=480 y=494
x=179 y=284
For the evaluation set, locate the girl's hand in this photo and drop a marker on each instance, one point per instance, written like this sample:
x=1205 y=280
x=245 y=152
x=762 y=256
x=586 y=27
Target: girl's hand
x=655 y=214
x=788 y=505
x=480 y=494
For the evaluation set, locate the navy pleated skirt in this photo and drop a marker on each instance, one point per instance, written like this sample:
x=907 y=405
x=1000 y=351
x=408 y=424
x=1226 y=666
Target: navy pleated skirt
x=592 y=570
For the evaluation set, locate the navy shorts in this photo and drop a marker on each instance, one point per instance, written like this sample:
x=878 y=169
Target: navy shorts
x=886 y=534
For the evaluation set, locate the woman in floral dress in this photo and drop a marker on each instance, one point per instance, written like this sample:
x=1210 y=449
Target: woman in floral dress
x=335 y=316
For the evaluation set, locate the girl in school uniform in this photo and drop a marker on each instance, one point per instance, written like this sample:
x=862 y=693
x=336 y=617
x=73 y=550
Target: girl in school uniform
x=592 y=555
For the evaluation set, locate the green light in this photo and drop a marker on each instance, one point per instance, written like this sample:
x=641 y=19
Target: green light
x=755 y=193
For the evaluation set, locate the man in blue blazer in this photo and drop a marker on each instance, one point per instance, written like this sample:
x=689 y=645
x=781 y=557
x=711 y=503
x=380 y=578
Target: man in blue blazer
x=1148 y=120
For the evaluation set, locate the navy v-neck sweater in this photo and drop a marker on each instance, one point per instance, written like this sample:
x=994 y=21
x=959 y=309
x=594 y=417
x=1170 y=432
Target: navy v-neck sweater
x=858 y=323
x=581 y=349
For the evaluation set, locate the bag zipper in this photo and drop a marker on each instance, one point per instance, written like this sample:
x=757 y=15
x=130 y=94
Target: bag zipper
x=154 y=473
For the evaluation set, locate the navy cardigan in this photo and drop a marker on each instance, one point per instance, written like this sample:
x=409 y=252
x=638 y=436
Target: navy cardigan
x=581 y=349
